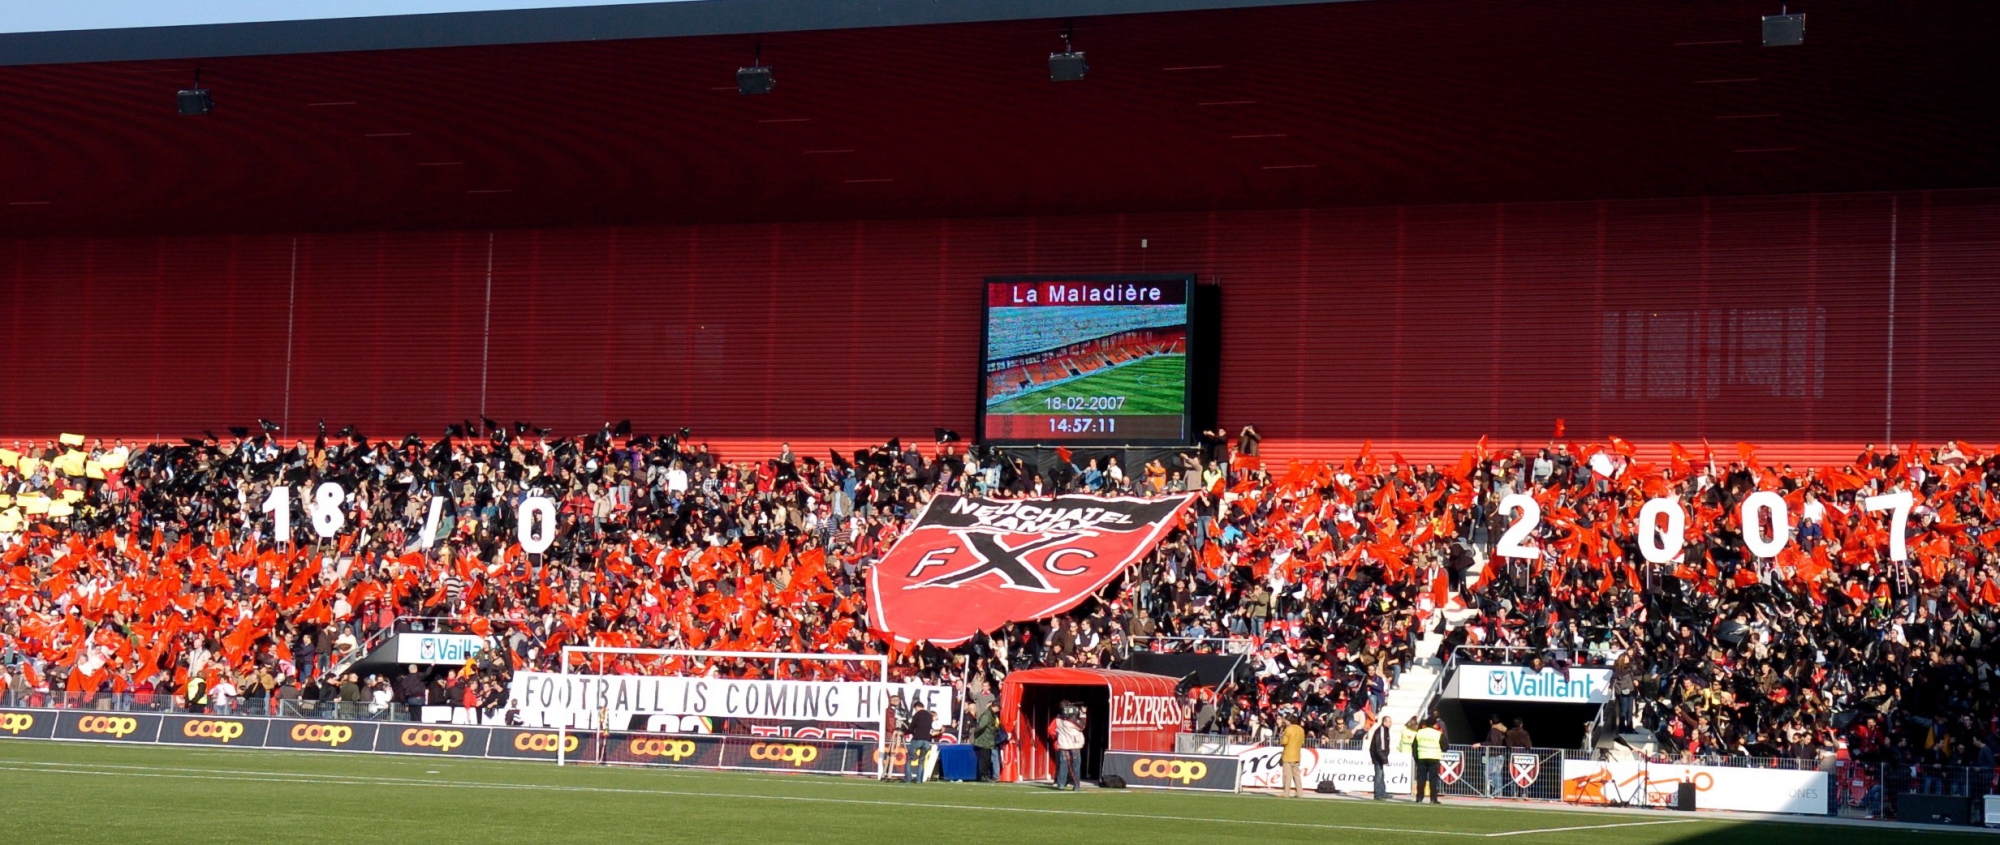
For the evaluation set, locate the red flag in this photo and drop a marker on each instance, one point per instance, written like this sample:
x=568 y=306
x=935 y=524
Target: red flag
x=1680 y=460
x=1064 y=454
x=1622 y=446
x=1559 y=429
x=968 y=564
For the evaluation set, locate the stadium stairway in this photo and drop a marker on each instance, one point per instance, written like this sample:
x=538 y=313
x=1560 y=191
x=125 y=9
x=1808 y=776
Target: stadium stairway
x=1412 y=693
x=1416 y=690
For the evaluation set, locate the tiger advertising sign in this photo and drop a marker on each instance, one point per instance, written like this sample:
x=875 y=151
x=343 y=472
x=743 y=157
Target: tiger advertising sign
x=970 y=564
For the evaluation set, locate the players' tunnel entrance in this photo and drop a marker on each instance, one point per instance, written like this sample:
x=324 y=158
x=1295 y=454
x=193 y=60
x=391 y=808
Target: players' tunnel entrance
x=1040 y=704
x=1146 y=716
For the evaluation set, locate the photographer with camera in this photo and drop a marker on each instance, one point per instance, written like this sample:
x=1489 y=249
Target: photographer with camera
x=892 y=735
x=920 y=744
x=1066 y=733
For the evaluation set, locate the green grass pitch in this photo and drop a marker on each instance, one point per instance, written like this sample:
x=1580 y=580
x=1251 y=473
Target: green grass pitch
x=1152 y=387
x=78 y=793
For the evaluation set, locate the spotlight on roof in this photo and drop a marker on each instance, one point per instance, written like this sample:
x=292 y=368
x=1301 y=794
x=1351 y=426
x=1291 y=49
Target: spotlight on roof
x=1785 y=30
x=196 y=100
x=1068 y=65
x=755 y=79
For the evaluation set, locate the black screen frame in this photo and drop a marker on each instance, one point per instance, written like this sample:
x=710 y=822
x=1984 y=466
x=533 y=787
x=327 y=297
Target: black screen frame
x=1187 y=438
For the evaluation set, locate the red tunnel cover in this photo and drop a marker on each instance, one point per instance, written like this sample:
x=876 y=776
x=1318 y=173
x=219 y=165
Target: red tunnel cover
x=1145 y=715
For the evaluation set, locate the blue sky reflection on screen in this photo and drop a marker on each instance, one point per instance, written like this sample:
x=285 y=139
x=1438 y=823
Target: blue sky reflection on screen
x=23 y=16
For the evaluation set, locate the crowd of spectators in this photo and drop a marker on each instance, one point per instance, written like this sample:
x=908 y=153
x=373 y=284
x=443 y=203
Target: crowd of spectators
x=1323 y=574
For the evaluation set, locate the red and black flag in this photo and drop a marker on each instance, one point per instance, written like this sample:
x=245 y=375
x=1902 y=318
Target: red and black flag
x=970 y=564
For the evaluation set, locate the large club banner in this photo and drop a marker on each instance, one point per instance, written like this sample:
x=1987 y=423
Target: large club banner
x=548 y=699
x=970 y=564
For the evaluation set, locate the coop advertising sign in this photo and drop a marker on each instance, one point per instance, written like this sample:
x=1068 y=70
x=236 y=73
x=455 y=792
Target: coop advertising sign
x=1165 y=770
x=27 y=724
x=549 y=699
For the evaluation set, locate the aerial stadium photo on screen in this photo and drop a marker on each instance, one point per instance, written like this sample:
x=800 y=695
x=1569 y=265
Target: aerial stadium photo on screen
x=1086 y=360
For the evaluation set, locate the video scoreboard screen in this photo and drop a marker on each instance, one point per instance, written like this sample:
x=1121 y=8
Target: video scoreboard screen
x=1086 y=359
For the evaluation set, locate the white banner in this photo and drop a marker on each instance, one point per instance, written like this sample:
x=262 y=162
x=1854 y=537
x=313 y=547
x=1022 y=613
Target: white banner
x=1518 y=683
x=546 y=699
x=437 y=648
x=1716 y=787
x=1350 y=771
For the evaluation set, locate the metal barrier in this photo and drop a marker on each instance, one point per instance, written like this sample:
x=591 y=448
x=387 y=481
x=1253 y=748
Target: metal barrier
x=1533 y=774
x=401 y=625
x=1508 y=655
x=1194 y=743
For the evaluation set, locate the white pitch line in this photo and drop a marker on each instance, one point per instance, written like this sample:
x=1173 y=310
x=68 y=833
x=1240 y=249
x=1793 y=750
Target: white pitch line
x=1588 y=827
x=362 y=780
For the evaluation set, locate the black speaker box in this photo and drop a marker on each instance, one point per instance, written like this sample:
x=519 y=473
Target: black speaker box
x=194 y=101
x=1684 y=799
x=1113 y=782
x=1067 y=67
x=1934 y=809
x=755 y=80
x=1326 y=787
x=1785 y=30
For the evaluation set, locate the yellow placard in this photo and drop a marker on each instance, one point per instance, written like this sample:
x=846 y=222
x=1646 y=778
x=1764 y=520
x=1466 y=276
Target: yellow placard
x=9 y=457
x=28 y=466
x=114 y=459
x=93 y=469
x=71 y=463
x=72 y=495
x=57 y=509
x=6 y=501
x=70 y=440
x=34 y=506
x=10 y=521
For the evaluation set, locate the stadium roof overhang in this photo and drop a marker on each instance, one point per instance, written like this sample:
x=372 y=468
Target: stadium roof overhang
x=630 y=115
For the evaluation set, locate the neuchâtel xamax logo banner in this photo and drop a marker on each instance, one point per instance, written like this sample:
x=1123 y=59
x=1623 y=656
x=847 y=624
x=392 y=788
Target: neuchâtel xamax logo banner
x=970 y=564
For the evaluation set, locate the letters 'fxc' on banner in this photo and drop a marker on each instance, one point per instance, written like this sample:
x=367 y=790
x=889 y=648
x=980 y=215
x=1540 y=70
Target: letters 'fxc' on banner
x=970 y=564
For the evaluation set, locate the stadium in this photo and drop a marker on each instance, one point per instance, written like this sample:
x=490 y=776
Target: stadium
x=1182 y=420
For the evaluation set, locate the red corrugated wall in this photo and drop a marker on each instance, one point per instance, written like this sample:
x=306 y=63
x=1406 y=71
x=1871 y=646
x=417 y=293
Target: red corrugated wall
x=1422 y=328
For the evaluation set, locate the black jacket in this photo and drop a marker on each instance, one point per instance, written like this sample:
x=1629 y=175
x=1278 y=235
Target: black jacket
x=1378 y=744
x=920 y=726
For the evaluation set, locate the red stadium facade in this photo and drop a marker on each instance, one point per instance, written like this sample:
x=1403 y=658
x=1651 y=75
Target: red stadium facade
x=1767 y=320
x=1660 y=230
